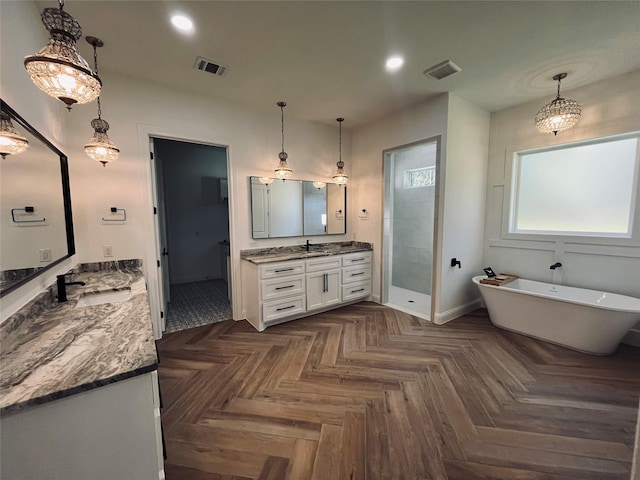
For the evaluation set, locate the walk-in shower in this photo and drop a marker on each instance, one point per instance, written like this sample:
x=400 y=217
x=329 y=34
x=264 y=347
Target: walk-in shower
x=410 y=182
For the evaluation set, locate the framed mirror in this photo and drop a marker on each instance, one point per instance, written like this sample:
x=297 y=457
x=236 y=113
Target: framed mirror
x=296 y=208
x=36 y=225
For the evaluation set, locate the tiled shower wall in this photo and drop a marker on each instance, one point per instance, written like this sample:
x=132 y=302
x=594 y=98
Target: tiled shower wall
x=413 y=211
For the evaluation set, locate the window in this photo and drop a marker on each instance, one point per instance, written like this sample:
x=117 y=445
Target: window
x=420 y=177
x=585 y=189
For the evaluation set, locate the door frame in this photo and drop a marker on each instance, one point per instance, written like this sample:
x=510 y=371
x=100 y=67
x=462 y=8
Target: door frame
x=436 y=267
x=151 y=247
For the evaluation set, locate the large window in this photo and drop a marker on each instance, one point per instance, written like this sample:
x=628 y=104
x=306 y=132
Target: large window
x=585 y=189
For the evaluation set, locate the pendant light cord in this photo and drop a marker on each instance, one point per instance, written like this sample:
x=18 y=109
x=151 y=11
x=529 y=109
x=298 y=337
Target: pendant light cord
x=340 y=123
x=61 y=4
x=95 y=65
x=559 y=80
x=282 y=125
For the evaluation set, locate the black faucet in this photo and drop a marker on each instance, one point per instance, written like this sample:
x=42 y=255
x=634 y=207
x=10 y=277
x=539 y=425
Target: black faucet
x=308 y=245
x=555 y=265
x=62 y=286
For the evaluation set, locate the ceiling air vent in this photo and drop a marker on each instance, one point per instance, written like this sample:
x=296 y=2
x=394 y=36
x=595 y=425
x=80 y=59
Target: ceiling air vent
x=211 y=67
x=442 y=70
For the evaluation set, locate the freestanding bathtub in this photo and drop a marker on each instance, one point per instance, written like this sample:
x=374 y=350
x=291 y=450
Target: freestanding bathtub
x=585 y=320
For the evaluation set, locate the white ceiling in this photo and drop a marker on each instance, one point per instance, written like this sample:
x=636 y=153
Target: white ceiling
x=326 y=58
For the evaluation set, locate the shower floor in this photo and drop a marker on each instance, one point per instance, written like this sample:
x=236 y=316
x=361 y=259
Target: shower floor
x=408 y=301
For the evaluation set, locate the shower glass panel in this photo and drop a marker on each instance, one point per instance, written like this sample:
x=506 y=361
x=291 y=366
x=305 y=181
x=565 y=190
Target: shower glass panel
x=410 y=186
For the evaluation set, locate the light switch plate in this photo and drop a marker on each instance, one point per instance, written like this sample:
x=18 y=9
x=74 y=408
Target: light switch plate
x=107 y=250
x=45 y=254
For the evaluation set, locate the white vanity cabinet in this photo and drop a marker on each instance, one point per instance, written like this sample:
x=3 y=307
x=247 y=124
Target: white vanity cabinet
x=280 y=291
x=323 y=282
x=106 y=433
x=356 y=276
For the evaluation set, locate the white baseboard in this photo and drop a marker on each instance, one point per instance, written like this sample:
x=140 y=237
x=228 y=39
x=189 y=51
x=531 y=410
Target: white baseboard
x=375 y=298
x=460 y=310
x=632 y=338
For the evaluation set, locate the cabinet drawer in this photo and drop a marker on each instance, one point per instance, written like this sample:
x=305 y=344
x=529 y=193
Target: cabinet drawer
x=286 y=307
x=282 y=287
x=282 y=269
x=356 y=273
x=356 y=258
x=356 y=290
x=324 y=263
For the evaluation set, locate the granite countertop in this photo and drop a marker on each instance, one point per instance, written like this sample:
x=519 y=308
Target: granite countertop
x=51 y=350
x=293 y=252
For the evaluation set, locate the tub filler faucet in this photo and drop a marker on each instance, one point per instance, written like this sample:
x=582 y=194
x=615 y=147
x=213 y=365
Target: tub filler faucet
x=555 y=265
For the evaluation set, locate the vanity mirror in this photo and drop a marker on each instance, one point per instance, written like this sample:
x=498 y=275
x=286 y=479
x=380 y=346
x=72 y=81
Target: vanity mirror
x=36 y=227
x=295 y=208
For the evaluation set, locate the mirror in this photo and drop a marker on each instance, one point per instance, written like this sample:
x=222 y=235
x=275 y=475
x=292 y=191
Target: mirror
x=36 y=226
x=294 y=208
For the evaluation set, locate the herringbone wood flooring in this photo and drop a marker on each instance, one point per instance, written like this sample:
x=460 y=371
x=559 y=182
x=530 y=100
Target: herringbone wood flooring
x=369 y=392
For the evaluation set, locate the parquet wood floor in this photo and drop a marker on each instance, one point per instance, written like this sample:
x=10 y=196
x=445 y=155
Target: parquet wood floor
x=367 y=392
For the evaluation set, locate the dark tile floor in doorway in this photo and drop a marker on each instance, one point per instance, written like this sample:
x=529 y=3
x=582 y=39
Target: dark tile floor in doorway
x=197 y=303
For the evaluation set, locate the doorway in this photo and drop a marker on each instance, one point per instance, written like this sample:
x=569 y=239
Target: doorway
x=410 y=185
x=193 y=223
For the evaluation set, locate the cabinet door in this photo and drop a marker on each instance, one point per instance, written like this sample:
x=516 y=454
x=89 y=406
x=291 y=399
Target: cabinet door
x=323 y=289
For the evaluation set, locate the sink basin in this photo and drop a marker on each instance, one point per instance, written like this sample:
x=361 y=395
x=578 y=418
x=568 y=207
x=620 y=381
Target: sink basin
x=315 y=253
x=99 y=298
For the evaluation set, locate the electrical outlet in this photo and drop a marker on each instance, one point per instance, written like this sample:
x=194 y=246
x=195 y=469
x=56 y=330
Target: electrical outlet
x=107 y=250
x=45 y=254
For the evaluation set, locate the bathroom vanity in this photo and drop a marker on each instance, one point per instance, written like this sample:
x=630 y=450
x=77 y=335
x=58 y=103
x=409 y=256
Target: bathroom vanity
x=287 y=283
x=79 y=394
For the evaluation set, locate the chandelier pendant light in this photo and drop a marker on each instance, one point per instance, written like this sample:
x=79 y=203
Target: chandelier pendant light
x=283 y=171
x=558 y=115
x=340 y=177
x=100 y=148
x=58 y=69
x=11 y=142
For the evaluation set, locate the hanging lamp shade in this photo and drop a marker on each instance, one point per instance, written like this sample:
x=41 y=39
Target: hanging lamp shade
x=283 y=171
x=559 y=114
x=340 y=177
x=58 y=69
x=11 y=142
x=100 y=148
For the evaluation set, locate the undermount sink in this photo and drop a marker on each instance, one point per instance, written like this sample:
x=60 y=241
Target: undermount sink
x=100 y=298
x=316 y=253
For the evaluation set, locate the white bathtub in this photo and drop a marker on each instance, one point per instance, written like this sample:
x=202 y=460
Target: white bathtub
x=585 y=320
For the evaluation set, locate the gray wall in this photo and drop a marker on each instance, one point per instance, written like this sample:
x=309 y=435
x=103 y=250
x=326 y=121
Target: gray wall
x=197 y=219
x=413 y=211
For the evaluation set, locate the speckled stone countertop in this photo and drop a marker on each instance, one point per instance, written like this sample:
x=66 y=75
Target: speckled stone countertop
x=51 y=350
x=294 y=252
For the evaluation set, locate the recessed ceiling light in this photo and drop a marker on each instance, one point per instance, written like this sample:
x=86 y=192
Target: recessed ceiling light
x=394 y=63
x=181 y=22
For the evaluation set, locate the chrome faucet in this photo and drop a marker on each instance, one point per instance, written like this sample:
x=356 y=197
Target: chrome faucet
x=62 y=286
x=555 y=265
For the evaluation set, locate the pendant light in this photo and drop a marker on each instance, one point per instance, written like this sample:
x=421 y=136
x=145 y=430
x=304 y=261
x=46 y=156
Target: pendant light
x=560 y=114
x=340 y=177
x=283 y=171
x=100 y=148
x=11 y=142
x=58 y=69
x=266 y=180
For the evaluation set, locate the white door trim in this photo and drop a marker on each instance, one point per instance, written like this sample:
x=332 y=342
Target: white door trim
x=145 y=132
